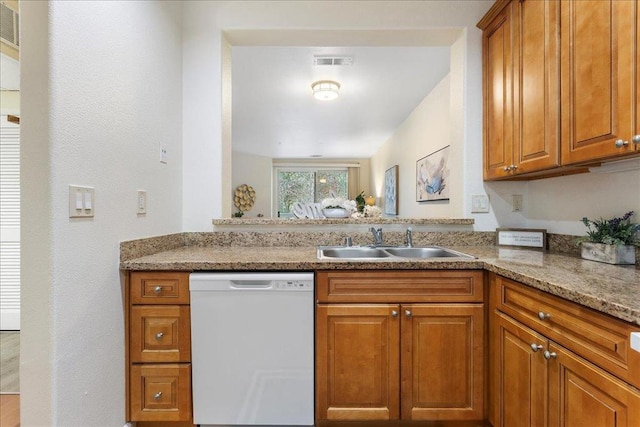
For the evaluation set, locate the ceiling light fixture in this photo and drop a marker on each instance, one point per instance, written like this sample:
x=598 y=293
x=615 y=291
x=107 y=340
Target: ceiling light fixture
x=325 y=90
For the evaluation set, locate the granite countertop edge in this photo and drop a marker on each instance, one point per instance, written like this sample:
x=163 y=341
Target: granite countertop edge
x=613 y=290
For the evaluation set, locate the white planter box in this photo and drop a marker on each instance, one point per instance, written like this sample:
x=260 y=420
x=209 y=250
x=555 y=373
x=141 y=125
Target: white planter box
x=611 y=254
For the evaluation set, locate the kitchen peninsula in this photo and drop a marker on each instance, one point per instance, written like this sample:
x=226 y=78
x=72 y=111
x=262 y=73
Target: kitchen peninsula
x=588 y=308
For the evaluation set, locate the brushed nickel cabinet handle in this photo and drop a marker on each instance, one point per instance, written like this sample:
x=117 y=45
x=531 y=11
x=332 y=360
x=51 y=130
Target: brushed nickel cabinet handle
x=636 y=139
x=621 y=143
x=550 y=355
x=394 y=313
x=159 y=335
x=157 y=396
x=536 y=347
x=157 y=289
x=407 y=313
x=543 y=316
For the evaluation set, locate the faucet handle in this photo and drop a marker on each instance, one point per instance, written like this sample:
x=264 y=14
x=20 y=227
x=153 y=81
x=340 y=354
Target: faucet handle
x=409 y=237
x=347 y=241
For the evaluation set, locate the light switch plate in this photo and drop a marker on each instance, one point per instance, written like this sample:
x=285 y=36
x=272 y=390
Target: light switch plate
x=142 y=202
x=82 y=203
x=480 y=203
x=163 y=154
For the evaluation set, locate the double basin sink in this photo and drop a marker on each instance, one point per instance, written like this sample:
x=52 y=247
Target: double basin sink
x=387 y=252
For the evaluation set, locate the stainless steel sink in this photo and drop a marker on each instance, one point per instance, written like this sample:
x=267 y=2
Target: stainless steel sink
x=357 y=252
x=373 y=252
x=426 y=252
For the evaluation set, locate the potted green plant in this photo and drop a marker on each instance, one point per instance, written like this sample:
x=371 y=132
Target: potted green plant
x=612 y=241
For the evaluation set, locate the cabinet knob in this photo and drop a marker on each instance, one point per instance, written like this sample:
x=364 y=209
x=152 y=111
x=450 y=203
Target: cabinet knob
x=513 y=167
x=506 y=168
x=394 y=313
x=549 y=354
x=157 y=289
x=536 y=347
x=543 y=316
x=636 y=139
x=159 y=335
x=157 y=396
x=407 y=313
x=621 y=143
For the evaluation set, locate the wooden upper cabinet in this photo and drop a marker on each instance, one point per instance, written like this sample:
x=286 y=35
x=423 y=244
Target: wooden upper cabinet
x=536 y=86
x=498 y=96
x=522 y=89
x=597 y=79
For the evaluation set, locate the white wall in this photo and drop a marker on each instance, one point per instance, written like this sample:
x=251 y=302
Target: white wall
x=559 y=203
x=255 y=171
x=101 y=90
x=425 y=131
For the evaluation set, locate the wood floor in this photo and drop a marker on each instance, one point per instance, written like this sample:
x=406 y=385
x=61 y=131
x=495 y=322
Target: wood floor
x=9 y=410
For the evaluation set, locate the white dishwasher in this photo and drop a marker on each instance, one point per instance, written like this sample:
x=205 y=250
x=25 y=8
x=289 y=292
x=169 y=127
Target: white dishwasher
x=252 y=348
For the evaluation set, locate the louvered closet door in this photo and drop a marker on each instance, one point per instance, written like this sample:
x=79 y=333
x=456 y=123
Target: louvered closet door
x=9 y=225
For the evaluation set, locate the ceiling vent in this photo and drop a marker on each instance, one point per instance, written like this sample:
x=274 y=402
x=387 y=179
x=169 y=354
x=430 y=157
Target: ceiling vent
x=9 y=26
x=332 y=60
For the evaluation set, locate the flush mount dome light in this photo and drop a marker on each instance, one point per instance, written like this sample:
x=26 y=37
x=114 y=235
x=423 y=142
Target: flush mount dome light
x=325 y=90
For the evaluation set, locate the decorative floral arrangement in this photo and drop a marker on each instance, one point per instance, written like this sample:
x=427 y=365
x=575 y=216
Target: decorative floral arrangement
x=358 y=207
x=338 y=203
x=614 y=231
x=368 y=212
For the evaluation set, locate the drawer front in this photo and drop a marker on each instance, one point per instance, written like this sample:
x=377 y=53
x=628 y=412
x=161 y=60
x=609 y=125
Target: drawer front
x=161 y=392
x=159 y=288
x=400 y=286
x=598 y=338
x=160 y=333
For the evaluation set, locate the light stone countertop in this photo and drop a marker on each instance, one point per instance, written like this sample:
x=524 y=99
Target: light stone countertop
x=614 y=290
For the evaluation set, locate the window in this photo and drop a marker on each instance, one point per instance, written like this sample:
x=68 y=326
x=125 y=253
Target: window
x=308 y=185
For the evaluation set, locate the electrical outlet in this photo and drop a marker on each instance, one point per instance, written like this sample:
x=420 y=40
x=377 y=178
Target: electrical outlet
x=516 y=203
x=82 y=203
x=142 y=202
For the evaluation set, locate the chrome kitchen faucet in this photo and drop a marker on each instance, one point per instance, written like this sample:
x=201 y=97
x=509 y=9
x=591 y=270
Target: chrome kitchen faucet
x=377 y=236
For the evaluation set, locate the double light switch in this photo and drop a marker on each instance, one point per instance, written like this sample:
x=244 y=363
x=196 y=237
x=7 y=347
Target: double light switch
x=81 y=202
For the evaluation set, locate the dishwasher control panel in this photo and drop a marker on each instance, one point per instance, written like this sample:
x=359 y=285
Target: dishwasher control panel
x=303 y=285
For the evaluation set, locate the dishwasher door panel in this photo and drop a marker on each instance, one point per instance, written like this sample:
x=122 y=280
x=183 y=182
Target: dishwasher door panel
x=253 y=357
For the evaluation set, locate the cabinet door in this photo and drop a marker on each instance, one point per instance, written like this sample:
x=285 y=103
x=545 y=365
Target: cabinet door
x=580 y=394
x=597 y=78
x=357 y=362
x=536 y=86
x=498 y=95
x=519 y=370
x=442 y=361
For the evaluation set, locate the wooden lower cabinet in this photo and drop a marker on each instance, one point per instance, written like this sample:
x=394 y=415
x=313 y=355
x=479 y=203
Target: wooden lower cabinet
x=520 y=375
x=158 y=351
x=536 y=381
x=357 y=362
x=161 y=392
x=442 y=361
x=399 y=361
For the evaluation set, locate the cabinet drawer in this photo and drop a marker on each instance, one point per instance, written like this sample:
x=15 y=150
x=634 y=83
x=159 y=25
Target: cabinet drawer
x=160 y=333
x=159 y=288
x=400 y=286
x=161 y=392
x=598 y=338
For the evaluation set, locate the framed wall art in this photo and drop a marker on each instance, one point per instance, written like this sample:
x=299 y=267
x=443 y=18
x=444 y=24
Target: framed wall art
x=391 y=191
x=432 y=176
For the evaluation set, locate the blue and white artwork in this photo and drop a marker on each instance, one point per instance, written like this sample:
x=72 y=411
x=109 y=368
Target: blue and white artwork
x=432 y=176
x=391 y=191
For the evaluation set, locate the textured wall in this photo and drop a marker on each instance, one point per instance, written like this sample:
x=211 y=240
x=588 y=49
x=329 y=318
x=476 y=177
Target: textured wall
x=102 y=90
